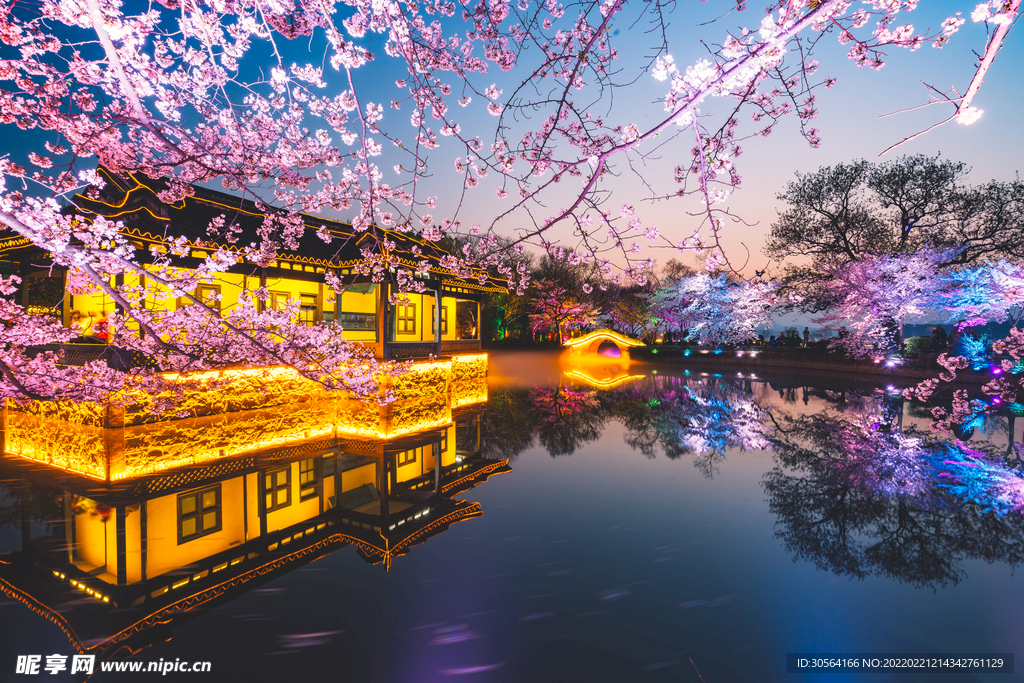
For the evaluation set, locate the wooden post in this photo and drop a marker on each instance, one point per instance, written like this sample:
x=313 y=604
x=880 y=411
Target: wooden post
x=122 y=546
x=437 y=319
x=437 y=468
x=261 y=487
x=143 y=532
x=245 y=507
x=383 y=322
x=65 y=302
x=261 y=305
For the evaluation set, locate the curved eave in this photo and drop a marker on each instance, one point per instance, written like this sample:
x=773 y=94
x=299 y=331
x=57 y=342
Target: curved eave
x=340 y=231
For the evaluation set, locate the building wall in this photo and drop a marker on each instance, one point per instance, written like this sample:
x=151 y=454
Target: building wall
x=91 y=538
x=252 y=482
x=231 y=287
x=298 y=511
x=424 y=304
x=133 y=543
x=353 y=479
x=163 y=554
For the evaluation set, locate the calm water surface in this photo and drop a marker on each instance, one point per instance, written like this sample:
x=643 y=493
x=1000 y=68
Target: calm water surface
x=674 y=527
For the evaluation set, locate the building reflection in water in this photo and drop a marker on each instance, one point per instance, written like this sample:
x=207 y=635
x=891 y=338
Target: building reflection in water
x=126 y=536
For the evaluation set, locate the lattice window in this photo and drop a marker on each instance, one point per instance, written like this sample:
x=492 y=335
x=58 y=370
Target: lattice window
x=433 y=320
x=409 y=457
x=309 y=311
x=199 y=513
x=278 y=488
x=308 y=478
x=406 y=319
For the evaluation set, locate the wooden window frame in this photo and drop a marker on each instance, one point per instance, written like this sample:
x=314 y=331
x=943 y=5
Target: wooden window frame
x=416 y=454
x=197 y=294
x=304 y=307
x=272 y=490
x=433 y=319
x=218 y=303
x=405 y=319
x=309 y=480
x=276 y=296
x=199 y=512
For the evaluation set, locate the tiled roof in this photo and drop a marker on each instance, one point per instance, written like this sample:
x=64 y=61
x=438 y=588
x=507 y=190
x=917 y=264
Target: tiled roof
x=135 y=202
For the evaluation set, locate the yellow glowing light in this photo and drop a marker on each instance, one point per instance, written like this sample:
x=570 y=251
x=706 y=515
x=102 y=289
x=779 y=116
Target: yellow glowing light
x=249 y=415
x=602 y=335
x=602 y=383
x=469 y=393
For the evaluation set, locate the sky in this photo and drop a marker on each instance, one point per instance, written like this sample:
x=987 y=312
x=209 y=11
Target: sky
x=848 y=120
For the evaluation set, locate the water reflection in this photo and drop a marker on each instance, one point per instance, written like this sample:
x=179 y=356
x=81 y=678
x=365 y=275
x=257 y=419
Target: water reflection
x=859 y=500
x=117 y=563
x=856 y=487
x=678 y=415
x=859 y=486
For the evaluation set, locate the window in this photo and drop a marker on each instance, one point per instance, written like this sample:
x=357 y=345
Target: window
x=308 y=310
x=358 y=321
x=278 y=300
x=444 y=443
x=198 y=513
x=408 y=457
x=278 y=488
x=307 y=478
x=209 y=295
x=433 y=320
x=406 y=319
x=206 y=294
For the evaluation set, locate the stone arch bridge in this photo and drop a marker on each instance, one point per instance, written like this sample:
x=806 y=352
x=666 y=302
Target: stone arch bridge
x=591 y=342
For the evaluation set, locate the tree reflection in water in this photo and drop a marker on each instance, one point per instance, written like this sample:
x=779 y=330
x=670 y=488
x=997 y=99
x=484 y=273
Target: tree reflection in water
x=699 y=417
x=859 y=499
x=567 y=417
x=854 y=491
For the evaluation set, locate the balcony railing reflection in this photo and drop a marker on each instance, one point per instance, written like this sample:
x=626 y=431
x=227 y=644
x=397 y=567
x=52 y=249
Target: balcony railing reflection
x=147 y=523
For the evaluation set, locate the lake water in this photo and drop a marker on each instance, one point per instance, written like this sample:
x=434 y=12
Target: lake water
x=650 y=524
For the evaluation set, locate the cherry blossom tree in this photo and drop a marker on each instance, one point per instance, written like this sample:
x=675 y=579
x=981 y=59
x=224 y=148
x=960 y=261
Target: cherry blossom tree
x=862 y=210
x=714 y=309
x=627 y=310
x=989 y=292
x=558 y=311
x=206 y=92
x=874 y=298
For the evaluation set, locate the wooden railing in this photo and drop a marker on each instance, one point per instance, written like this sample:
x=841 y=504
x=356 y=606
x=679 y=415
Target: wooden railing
x=407 y=350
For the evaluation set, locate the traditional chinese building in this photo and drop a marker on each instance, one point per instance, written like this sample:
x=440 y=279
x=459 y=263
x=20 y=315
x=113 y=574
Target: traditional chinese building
x=445 y=320
x=128 y=551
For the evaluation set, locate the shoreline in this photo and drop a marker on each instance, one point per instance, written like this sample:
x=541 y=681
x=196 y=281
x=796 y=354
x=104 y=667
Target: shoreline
x=802 y=359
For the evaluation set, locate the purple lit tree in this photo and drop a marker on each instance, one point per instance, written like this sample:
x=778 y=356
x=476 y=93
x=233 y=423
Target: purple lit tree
x=875 y=296
x=558 y=311
x=989 y=292
x=713 y=308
